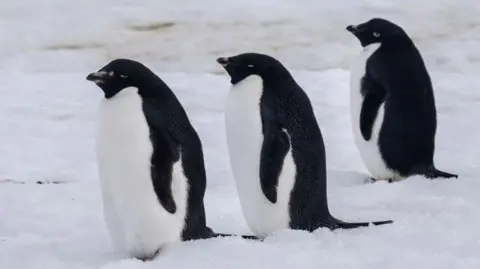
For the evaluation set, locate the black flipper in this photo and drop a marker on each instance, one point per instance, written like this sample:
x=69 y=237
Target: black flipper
x=163 y=190
x=374 y=95
x=161 y=160
x=275 y=147
x=433 y=173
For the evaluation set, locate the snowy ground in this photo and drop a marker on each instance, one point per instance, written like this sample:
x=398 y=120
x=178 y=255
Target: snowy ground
x=68 y=35
x=47 y=113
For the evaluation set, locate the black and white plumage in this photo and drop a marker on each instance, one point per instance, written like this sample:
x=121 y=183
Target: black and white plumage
x=392 y=104
x=276 y=148
x=150 y=161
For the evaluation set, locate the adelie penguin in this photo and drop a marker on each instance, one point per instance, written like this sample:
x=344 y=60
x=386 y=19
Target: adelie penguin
x=276 y=149
x=392 y=104
x=150 y=161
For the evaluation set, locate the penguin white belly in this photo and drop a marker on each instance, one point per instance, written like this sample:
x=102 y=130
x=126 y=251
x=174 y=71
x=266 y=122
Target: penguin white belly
x=137 y=222
x=244 y=140
x=369 y=150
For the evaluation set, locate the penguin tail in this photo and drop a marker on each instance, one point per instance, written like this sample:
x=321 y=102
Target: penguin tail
x=352 y=225
x=248 y=237
x=433 y=173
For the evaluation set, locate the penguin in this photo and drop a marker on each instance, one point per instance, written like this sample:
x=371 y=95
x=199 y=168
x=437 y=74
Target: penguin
x=150 y=163
x=392 y=104
x=276 y=149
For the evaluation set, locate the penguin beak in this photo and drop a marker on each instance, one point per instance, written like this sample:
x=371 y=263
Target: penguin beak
x=97 y=77
x=223 y=61
x=357 y=29
x=352 y=29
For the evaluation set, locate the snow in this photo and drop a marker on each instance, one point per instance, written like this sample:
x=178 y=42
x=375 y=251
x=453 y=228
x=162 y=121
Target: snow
x=47 y=114
x=66 y=36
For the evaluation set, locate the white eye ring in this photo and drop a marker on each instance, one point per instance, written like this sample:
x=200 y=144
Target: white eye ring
x=123 y=76
x=376 y=34
x=250 y=65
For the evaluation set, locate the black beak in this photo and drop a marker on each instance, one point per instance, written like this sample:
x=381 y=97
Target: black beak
x=223 y=61
x=97 y=76
x=352 y=28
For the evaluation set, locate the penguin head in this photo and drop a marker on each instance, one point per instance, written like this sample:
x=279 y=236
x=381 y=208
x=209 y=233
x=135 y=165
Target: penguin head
x=377 y=30
x=118 y=75
x=244 y=65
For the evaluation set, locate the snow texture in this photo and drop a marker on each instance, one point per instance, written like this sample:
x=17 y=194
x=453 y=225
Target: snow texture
x=48 y=109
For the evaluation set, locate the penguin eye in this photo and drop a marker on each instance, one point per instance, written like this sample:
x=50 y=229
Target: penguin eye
x=250 y=65
x=376 y=34
x=123 y=76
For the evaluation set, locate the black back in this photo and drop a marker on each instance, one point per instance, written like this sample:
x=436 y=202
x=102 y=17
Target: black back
x=288 y=122
x=172 y=137
x=396 y=76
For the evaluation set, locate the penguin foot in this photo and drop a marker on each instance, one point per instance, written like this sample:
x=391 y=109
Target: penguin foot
x=370 y=180
x=373 y=180
x=207 y=233
x=146 y=258
x=248 y=237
